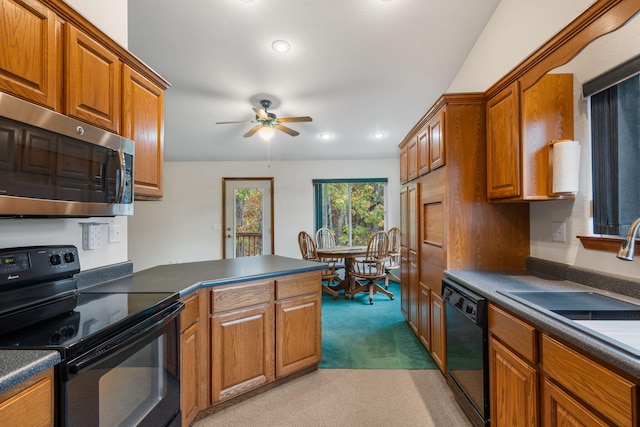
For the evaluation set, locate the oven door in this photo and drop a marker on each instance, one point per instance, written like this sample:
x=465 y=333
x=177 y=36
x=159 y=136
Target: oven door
x=130 y=380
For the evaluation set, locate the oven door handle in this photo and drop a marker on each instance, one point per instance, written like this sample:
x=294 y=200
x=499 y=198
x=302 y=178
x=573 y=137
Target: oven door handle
x=123 y=340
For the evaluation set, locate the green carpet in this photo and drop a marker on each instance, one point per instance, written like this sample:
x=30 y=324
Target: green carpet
x=357 y=335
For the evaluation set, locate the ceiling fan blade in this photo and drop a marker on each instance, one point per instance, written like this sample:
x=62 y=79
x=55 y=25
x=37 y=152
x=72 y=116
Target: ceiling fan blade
x=260 y=113
x=294 y=119
x=242 y=121
x=287 y=130
x=252 y=131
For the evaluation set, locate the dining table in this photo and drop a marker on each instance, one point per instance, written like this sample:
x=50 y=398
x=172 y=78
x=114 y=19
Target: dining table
x=348 y=253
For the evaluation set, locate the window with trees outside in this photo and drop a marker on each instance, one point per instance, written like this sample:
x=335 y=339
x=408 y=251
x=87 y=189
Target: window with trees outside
x=351 y=208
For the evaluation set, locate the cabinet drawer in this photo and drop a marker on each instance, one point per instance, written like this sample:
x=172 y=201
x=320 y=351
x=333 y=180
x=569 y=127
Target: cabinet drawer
x=189 y=314
x=607 y=392
x=517 y=334
x=299 y=284
x=231 y=297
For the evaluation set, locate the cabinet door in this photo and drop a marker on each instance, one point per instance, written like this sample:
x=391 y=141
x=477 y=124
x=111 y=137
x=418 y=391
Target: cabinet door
x=242 y=348
x=436 y=141
x=503 y=144
x=404 y=165
x=189 y=378
x=29 y=403
x=298 y=333
x=424 y=164
x=92 y=81
x=413 y=224
x=143 y=122
x=404 y=252
x=562 y=410
x=438 y=337
x=28 y=26
x=424 y=326
x=412 y=159
x=513 y=388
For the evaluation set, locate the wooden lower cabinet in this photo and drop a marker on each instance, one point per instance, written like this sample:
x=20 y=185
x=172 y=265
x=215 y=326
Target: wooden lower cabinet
x=298 y=324
x=242 y=351
x=29 y=403
x=424 y=303
x=193 y=358
x=513 y=388
x=438 y=337
x=537 y=380
x=263 y=330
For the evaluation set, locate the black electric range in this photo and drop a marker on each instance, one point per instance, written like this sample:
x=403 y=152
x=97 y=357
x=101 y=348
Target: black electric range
x=41 y=307
x=119 y=351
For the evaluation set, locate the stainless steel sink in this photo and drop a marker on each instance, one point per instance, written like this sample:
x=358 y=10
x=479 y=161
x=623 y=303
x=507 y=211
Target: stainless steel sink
x=579 y=305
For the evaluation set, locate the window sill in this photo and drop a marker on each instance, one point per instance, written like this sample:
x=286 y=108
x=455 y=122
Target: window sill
x=604 y=243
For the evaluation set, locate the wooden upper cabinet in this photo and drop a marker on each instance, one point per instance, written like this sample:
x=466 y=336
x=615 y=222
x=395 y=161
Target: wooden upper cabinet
x=520 y=126
x=143 y=122
x=412 y=159
x=28 y=51
x=436 y=141
x=404 y=160
x=503 y=143
x=92 y=81
x=424 y=164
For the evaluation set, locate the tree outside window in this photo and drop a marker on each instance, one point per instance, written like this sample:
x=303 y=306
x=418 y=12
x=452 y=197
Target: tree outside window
x=352 y=209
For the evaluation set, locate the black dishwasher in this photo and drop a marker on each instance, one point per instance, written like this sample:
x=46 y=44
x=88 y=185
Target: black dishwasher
x=467 y=350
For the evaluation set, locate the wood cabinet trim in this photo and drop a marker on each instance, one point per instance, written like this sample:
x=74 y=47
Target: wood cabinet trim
x=66 y=12
x=601 y=18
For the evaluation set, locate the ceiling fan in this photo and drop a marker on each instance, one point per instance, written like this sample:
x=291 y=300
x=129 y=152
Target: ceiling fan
x=267 y=120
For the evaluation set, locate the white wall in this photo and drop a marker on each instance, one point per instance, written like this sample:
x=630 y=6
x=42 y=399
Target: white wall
x=111 y=17
x=181 y=226
x=515 y=30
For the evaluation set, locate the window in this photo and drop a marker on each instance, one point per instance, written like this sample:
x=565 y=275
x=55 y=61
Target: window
x=615 y=141
x=351 y=208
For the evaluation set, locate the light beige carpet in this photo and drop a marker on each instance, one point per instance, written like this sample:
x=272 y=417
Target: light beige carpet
x=349 y=397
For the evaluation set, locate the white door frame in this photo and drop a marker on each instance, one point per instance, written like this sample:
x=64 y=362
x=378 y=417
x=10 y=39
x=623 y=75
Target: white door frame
x=228 y=224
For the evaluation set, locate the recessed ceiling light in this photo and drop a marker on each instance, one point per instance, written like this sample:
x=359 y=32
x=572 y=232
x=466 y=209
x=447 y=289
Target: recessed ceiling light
x=378 y=135
x=325 y=136
x=281 y=46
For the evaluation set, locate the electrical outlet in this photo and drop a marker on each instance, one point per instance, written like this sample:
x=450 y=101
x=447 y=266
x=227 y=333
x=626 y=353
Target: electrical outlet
x=558 y=231
x=91 y=237
x=114 y=233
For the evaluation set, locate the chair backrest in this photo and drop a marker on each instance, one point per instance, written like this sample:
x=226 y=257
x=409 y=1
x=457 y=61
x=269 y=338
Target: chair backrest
x=325 y=238
x=394 y=248
x=378 y=246
x=307 y=247
x=394 y=240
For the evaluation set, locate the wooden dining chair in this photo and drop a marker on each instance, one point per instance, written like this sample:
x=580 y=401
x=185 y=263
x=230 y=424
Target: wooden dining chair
x=326 y=239
x=308 y=251
x=372 y=266
x=393 y=263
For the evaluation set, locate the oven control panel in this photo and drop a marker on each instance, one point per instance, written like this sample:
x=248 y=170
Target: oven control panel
x=37 y=263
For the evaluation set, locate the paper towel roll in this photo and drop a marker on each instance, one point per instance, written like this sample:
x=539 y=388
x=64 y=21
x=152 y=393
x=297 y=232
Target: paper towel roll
x=565 y=166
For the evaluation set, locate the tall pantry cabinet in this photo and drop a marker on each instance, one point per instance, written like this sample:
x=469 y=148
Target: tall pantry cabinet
x=454 y=224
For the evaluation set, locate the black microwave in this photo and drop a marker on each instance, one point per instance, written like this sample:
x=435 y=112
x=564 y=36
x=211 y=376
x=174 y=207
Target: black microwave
x=52 y=165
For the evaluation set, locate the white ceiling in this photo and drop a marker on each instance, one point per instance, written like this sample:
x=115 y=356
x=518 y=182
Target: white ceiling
x=356 y=67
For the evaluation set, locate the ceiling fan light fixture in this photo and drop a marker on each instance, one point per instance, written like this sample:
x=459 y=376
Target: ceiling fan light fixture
x=267 y=133
x=281 y=46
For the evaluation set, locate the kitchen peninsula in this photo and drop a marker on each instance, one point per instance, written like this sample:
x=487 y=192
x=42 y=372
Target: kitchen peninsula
x=247 y=325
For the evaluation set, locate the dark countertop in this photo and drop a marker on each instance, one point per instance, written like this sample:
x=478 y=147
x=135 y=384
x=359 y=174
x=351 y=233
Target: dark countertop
x=491 y=284
x=17 y=366
x=188 y=277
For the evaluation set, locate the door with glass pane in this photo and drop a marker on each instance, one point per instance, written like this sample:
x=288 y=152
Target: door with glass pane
x=248 y=217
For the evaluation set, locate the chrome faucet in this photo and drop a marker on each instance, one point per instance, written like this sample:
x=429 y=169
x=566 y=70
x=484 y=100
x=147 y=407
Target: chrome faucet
x=628 y=247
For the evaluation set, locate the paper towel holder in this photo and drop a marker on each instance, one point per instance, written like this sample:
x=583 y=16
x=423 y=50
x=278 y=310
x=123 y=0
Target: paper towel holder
x=564 y=167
